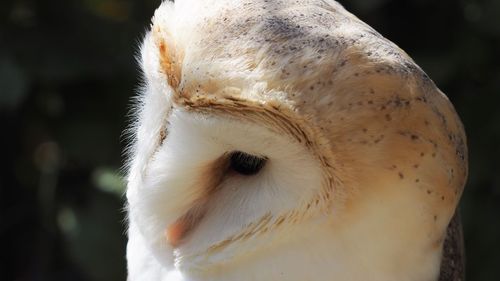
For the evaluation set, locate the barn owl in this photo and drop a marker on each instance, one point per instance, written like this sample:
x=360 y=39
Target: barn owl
x=288 y=140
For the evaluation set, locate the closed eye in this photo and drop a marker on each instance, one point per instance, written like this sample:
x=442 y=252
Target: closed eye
x=246 y=164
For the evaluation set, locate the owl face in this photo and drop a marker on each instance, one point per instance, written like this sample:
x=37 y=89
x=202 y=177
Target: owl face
x=215 y=181
x=287 y=145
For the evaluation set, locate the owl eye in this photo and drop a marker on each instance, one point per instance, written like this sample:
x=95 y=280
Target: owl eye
x=246 y=164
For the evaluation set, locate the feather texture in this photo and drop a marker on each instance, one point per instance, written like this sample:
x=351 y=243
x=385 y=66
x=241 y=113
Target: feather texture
x=287 y=140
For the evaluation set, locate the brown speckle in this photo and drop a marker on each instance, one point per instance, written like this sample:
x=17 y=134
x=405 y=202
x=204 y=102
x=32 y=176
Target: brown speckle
x=163 y=135
x=388 y=117
x=401 y=176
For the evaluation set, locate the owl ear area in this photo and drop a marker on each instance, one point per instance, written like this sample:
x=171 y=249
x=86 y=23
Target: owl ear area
x=170 y=56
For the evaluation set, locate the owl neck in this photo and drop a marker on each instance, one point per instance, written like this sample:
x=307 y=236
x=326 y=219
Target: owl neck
x=367 y=241
x=326 y=255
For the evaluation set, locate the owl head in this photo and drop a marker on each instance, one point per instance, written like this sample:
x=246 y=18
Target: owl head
x=278 y=140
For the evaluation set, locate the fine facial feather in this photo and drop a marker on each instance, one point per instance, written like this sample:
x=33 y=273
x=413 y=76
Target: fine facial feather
x=366 y=157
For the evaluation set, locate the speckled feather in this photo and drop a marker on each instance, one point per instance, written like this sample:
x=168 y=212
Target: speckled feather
x=325 y=68
x=453 y=261
x=309 y=70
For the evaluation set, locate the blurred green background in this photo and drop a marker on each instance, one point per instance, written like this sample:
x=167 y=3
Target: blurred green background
x=68 y=73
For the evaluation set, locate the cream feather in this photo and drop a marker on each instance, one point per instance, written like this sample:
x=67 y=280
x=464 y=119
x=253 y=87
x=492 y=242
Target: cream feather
x=365 y=157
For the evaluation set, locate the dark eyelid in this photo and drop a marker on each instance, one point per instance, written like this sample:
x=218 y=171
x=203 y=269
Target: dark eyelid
x=246 y=164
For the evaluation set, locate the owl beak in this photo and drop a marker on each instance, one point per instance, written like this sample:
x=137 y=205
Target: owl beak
x=213 y=175
x=176 y=232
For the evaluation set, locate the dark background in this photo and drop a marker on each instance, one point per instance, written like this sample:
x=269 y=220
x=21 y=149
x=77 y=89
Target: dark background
x=67 y=75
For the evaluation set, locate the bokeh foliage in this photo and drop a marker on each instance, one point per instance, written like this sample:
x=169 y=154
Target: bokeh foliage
x=68 y=73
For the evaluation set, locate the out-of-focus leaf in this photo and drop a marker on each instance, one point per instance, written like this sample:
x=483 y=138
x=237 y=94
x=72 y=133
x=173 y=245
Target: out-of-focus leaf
x=13 y=83
x=108 y=180
x=91 y=237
